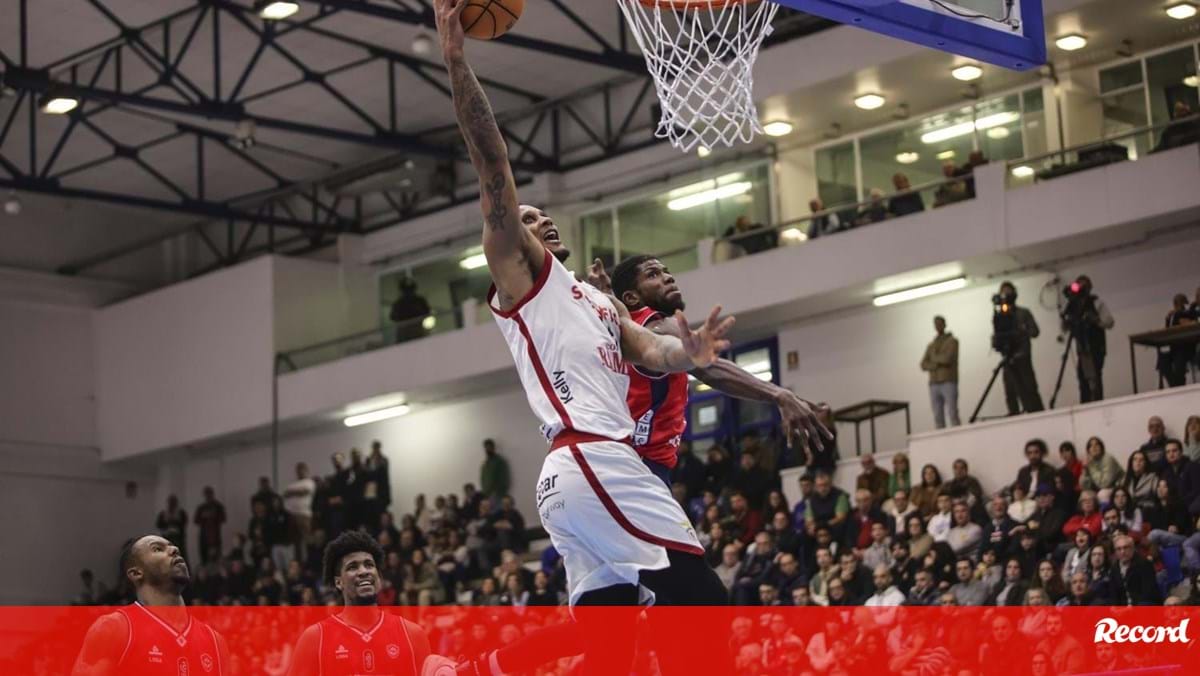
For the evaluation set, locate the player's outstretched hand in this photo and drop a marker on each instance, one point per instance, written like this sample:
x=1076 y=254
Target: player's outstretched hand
x=801 y=422
x=598 y=277
x=448 y=14
x=704 y=346
x=436 y=665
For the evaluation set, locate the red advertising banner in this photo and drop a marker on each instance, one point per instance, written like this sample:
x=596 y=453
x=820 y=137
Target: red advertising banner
x=201 y=641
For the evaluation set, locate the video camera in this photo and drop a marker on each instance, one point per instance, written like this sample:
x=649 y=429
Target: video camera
x=1081 y=305
x=1004 y=324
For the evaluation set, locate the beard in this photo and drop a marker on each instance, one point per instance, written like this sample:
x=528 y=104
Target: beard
x=562 y=253
x=363 y=600
x=666 y=306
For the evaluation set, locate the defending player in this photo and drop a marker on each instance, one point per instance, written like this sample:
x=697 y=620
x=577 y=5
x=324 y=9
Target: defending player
x=155 y=635
x=362 y=639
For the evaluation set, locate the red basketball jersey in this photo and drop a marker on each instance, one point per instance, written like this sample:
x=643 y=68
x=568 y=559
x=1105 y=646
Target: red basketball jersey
x=658 y=404
x=155 y=648
x=383 y=650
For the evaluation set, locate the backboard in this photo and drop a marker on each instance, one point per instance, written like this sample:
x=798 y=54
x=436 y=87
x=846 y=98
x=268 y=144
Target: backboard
x=1008 y=33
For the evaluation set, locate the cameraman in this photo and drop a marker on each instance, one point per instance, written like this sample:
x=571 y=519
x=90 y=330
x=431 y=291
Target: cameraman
x=1013 y=341
x=1087 y=318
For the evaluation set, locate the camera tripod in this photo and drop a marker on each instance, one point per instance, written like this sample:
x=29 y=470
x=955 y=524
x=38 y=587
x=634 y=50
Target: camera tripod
x=991 y=383
x=1062 y=367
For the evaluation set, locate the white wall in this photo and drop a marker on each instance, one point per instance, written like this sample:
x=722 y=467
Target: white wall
x=874 y=352
x=186 y=362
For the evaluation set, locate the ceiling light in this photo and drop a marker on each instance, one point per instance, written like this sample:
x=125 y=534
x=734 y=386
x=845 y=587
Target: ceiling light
x=1192 y=81
x=998 y=133
x=696 y=199
x=777 y=128
x=703 y=152
x=1181 y=10
x=964 y=128
x=967 y=73
x=920 y=292
x=1023 y=171
x=422 y=45
x=794 y=235
x=946 y=155
x=376 y=416
x=1072 y=42
x=907 y=157
x=59 y=105
x=429 y=322
x=870 y=101
x=275 y=10
x=473 y=262
x=12 y=205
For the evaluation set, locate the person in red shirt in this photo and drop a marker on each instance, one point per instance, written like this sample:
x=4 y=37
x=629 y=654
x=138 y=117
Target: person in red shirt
x=1088 y=518
x=155 y=635
x=362 y=639
x=1071 y=463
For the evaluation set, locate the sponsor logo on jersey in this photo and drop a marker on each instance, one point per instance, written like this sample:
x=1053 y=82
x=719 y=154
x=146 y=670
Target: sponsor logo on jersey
x=368 y=660
x=341 y=653
x=155 y=655
x=610 y=356
x=393 y=650
x=546 y=488
x=1109 y=630
x=181 y=667
x=641 y=430
x=206 y=661
x=562 y=387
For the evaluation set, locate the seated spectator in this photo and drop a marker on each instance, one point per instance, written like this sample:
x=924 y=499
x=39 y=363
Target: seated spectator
x=924 y=495
x=904 y=566
x=1155 y=447
x=743 y=233
x=879 y=552
x=1049 y=581
x=1012 y=590
x=731 y=560
x=776 y=504
x=968 y=591
x=751 y=481
x=1102 y=473
x=1191 y=438
x=1065 y=652
x=786 y=539
x=768 y=595
x=886 y=594
x=924 y=592
x=941 y=522
x=1047 y=521
x=1088 y=518
x=1140 y=480
x=857 y=581
x=1129 y=514
x=1022 y=507
x=940 y=561
x=784 y=575
x=828 y=505
x=754 y=566
x=487 y=595
x=799 y=509
x=1182 y=474
x=717 y=540
x=964 y=535
x=1078 y=592
x=1076 y=559
x=509 y=526
x=988 y=569
x=1035 y=472
x=1028 y=551
x=407 y=312
x=874 y=210
x=858 y=525
x=1003 y=648
x=898 y=509
x=963 y=485
x=1100 y=579
x=422 y=586
x=906 y=201
x=818 y=585
x=1133 y=576
x=873 y=478
x=999 y=529
x=1182 y=131
x=918 y=539
x=1070 y=463
x=951 y=191
x=1171 y=526
x=717 y=469
x=901 y=475
x=542 y=594
x=743 y=522
x=514 y=594
x=822 y=224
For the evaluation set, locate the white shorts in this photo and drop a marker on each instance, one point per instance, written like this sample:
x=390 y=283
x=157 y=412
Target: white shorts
x=609 y=516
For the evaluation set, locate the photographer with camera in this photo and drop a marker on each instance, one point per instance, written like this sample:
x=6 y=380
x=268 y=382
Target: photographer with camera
x=1085 y=319
x=1013 y=328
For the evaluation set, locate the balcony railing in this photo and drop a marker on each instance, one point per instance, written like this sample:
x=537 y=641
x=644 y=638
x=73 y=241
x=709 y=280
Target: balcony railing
x=440 y=321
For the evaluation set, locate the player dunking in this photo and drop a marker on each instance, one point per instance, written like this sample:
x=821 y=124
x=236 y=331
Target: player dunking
x=622 y=537
x=156 y=635
x=362 y=639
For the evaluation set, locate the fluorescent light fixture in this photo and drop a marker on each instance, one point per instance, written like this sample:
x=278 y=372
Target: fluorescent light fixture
x=1192 y=81
x=1023 y=171
x=907 y=157
x=794 y=235
x=998 y=133
x=59 y=105
x=967 y=73
x=473 y=262
x=429 y=322
x=870 y=101
x=1181 y=10
x=703 y=152
x=777 y=128
x=964 y=128
x=376 y=416
x=706 y=196
x=274 y=11
x=1072 y=42
x=946 y=155
x=921 y=292
x=760 y=366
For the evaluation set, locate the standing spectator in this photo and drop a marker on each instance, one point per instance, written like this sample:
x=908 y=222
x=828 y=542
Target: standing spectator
x=906 y=201
x=1191 y=438
x=1020 y=382
x=1103 y=473
x=298 y=503
x=924 y=496
x=172 y=524
x=494 y=479
x=751 y=237
x=337 y=497
x=952 y=190
x=408 y=312
x=209 y=517
x=822 y=224
x=1087 y=318
x=267 y=495
x=1036 y=472
x=941 y=361
x=1180 y=133
x=1173 y=365
x=873 y=478
x=1134 y=576
x=1157 y=444
x=974 y=161
x=872 y=211
x=376 y=486
x=356 y=489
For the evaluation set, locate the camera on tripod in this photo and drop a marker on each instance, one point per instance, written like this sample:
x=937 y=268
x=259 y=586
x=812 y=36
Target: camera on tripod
x=1080 y=308
x=1004 y=325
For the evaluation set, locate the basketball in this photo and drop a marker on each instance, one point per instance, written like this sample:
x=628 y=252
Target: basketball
x=487 y=19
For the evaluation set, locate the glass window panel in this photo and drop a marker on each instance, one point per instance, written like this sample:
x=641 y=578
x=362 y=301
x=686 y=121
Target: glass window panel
x=444 y=284
x=835 y=175
x=918 y=150
x=1166 y=75
x=598 y=237
x=1119 y=77
x=1123 y=112
x=758 y=363
x=704 y=417
x=1000 y=129
x=1034 y=102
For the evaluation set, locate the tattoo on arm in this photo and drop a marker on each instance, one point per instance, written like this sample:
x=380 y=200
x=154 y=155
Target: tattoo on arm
x=494 y=186
x=475 y=116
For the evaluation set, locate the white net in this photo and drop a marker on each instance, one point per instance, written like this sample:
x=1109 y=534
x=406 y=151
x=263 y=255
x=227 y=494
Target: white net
x=701 y=55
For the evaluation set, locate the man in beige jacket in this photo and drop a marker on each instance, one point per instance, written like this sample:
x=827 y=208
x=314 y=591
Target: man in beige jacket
x=941 y=361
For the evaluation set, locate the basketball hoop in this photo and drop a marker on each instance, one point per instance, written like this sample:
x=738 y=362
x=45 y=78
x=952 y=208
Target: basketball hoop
x=701 y=55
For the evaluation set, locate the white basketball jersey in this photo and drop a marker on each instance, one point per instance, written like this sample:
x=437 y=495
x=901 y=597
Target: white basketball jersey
x=565 y=337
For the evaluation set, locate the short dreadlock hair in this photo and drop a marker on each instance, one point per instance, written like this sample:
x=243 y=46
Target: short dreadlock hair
x=126 y=561
x=624 y=276
x=348 y=543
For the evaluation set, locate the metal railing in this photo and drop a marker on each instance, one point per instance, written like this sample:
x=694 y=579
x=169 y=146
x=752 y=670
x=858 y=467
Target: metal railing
x=439 y=321
x=1108 y=149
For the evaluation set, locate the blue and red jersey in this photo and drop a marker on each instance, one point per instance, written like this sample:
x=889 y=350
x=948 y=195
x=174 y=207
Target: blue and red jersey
x=658 y=404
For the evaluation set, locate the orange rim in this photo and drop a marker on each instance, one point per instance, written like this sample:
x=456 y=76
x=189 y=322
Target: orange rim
x=694 y=4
